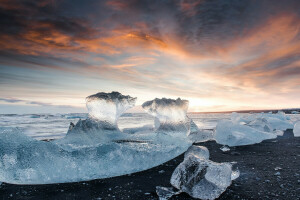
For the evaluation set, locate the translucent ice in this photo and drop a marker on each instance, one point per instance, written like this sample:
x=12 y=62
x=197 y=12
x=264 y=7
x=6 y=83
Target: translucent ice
x=278 y=121
x=93 y=148
x=164 y=193
x=24 y=160
x=108 y=107
x=198 y=151
x=170 y=116
x=296 y=129
x=202 y=178
x=196 y=135
x=233 y=134
x=101 y=124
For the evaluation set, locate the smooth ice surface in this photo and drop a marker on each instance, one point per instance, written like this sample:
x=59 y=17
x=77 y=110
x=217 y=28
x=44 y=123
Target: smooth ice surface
x=202 y=178
x=170 y=116
x=234 y=134
x=296 y=129
x=90 y=150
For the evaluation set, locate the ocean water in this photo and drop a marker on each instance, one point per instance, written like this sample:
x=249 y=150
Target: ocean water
x=47 y=126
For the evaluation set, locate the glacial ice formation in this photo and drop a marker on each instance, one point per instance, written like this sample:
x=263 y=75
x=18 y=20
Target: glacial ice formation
x=296 y=129
x=95 y=148
x=170 y=116
x=233 y=134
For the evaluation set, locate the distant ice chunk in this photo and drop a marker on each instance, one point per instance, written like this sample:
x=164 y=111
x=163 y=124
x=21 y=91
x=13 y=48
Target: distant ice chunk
x=108 y=107
x=196 y=135
x=198 y=151
x=202 y=178
x=232 y=134
x=296 y=129
x=279 y=124
x=170 y=116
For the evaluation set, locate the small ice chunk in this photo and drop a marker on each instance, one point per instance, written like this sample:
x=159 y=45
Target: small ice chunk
x=164 y=193
x=225 y=148
x=170 y=115
x=235 y=174
x=277 y=174
x=277 y=168
x=296 y=129
x=198 y=151
x=201 y=178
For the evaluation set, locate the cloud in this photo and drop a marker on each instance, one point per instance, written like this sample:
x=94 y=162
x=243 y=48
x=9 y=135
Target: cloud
x=37 y=103
x=231 y=50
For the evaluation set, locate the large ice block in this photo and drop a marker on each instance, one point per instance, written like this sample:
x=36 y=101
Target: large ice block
x=108 y=107
x=170 y=115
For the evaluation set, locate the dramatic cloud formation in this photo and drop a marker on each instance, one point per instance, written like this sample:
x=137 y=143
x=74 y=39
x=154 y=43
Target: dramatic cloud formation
x=221 y=55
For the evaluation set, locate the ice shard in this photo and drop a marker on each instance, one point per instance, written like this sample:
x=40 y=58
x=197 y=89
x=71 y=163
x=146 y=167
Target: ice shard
x=170 y=116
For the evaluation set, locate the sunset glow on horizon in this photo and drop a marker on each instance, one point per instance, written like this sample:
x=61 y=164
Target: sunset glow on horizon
x=219 y=55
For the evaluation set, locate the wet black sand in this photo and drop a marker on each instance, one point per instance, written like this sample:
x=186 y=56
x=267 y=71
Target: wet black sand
x=258 y=179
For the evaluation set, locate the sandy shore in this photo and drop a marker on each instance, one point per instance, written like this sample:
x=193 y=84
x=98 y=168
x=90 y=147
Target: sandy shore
x=258 y=179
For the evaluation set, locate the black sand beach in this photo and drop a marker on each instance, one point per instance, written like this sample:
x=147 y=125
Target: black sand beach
x=269 y=170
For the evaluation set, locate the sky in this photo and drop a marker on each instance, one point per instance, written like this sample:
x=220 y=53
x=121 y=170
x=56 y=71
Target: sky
x=221 y=55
